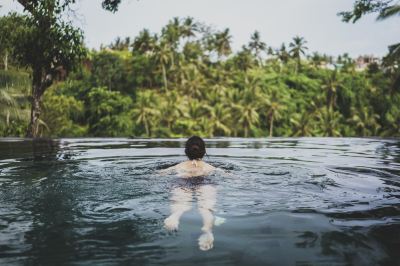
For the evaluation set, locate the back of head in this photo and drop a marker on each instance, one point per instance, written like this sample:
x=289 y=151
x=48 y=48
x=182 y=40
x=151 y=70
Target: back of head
x=195 y=148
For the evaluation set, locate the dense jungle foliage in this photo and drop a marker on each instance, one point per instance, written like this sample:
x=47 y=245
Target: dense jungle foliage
x=186 y=80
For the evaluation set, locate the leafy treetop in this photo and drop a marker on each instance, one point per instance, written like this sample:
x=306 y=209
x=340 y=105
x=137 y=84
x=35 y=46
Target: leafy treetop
x=362 y=7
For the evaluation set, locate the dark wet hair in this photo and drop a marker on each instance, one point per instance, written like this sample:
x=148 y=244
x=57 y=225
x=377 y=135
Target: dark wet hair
x=195 y=148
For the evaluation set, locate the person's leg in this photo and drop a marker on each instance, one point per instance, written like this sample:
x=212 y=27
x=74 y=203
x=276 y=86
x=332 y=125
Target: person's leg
x=181 y=201
x=206 y=204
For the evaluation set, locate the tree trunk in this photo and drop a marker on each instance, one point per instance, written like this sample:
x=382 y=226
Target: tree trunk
x=169 y=125
x=38 y=87
x=165 y=77
x=35 y=111
x=271 y=125
x=246 y=80
x=146 y=127
x=261 y=61
x=6 y=61
x=8 y=118
x=331 y=98
x=299 y=65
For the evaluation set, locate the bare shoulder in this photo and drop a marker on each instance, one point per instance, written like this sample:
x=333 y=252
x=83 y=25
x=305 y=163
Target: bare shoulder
x=168 y=170
x=180 y=166
x=176 y=168
x=209 y=166
x=190 y=168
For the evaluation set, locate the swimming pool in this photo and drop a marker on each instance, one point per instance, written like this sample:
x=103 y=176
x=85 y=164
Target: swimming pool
x=280 y=201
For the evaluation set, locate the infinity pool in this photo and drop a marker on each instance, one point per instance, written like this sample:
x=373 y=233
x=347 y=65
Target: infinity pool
x=281 y=201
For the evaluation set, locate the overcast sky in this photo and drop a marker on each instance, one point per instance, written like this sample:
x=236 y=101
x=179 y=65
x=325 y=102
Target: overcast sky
x=277 y=21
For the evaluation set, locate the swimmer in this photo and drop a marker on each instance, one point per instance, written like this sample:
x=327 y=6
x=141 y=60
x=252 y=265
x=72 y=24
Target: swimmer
x=181 y=197
x=181 y=202
x=195 y=150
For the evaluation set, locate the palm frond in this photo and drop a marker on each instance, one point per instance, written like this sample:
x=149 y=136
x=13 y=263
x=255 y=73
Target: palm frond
x=389 y=12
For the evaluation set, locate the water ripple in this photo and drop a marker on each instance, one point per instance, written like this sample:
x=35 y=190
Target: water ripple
x=306 y=201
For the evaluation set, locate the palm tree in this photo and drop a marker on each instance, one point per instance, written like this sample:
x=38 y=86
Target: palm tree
x=316 y=59
x=189 y=28
x=393 y=118
x=394 y=50
x=248 y=117
x=274 y=106
x=8 y=106
x=222 y=43
x=171 y=33
x=283 y=54
x=144 y=43
x=244 y=60
x=197 y=116
x=231 y=99
x=331 y=86
x=216 y=93
x=171 y=108
x=273 y=113
x=365 y=121
x=196 y=109
x=391 y=62
x=257 y=46
x=302 y=126
x=12 y=102
x=297 y=49
x=193 y=81
x=218 y=117
x=120 y=44
x=192 y=52
x=328 y=122
x=145 y=110
x=163 y=57
x=245 y=110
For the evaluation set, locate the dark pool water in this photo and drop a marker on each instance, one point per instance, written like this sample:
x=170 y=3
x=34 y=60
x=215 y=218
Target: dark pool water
x=308 y=201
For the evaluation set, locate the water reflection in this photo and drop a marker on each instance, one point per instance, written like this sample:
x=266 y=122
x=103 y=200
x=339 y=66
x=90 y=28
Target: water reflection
x=291 y=202
x=181 y=202
x=33 y=150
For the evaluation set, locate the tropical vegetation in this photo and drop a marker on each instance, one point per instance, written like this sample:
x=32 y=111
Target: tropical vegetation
x=186 y=80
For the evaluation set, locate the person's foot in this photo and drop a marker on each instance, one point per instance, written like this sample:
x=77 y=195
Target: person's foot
x=206 y=241
x=171 y=223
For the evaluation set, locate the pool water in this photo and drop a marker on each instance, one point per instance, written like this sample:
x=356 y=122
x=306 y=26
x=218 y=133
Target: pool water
x=280 y=201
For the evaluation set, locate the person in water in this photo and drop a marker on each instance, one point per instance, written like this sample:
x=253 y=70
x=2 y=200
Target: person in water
x=195 y=149
x=182 y=197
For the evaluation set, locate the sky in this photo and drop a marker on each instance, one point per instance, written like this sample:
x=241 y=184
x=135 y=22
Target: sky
x=277 y=21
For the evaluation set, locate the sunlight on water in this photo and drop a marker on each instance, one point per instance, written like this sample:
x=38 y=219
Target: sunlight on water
x=278 y=201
